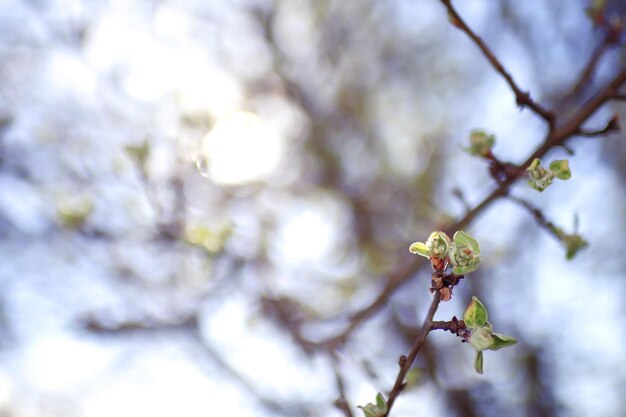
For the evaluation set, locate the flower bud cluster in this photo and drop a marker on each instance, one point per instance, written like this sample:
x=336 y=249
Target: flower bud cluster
x=463 y=252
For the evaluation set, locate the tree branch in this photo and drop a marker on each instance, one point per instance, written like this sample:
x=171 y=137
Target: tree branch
x=342 y=402
x=522 y=98
x=407 y=361
x=554 y=138
x=612 y=126
x=539 y=217
x=587 y=74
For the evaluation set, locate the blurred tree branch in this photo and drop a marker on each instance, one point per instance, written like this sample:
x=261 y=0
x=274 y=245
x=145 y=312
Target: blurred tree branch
x=522 y=98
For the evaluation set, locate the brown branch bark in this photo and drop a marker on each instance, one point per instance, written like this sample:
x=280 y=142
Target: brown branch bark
x=557 y=136
x=586 y=76
x=539 y=217
x=342 y=401
x=612 y=126
x=407 y=361
x=521 y=97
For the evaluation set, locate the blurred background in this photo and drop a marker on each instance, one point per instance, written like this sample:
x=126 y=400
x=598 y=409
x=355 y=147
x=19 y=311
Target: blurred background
x=193 y=193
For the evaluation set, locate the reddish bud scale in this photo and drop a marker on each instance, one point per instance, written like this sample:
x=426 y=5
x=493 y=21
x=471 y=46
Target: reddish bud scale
x=439 y=264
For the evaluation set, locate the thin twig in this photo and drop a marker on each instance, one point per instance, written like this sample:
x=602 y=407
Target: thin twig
x=612 y=126
x=342 y=400
x=537 y=215
x=555 y=138
x=407 y=361
x=586 y=75
x=521 y=97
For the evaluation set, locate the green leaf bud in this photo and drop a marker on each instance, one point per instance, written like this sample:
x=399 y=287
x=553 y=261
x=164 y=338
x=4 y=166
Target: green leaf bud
x=375 y=410
x=436 y=248
x=573 y=243
x=560 y=168
x=480 y=143
x=540 y=178
x=439 y=244
x=465 y=254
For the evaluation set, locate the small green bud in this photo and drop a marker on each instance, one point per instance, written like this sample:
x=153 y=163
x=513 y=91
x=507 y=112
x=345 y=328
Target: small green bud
x=439 y=244
x=375 y=410
x=465 y=254
x=480 y=143
x=573 y=243
x=540 y=178
x=436 y=248
x=560 y=168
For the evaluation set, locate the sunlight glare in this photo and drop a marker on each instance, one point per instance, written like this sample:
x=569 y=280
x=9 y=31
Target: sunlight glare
x=241 y=148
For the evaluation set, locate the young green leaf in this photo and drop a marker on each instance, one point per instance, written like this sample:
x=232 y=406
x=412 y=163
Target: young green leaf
x=560 y=168
x=476 y=314
x=463 y=239
x=465 y=254
x=375 y=410
x=367 y=411
x=420 y=248
x=480 y=143
x=381 y=403
x=478 y=363
x=502 y=341
x=573 y=244
x=481 y=338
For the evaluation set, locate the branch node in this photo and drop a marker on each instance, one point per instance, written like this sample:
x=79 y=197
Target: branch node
x=402 y=361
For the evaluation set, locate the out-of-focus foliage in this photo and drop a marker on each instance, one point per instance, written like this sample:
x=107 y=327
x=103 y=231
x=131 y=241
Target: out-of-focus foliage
x=184 y=184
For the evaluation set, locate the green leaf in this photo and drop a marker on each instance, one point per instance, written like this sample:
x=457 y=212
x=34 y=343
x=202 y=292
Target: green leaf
x=377 y=410
x=381 y=403
x=560 y=168
x=536 y=163
x=463 y=239
x=481 y=338
x=476 y=314
x=464 y=254
x=420 y=248
x=368 y=412
x=502 y=341
x=574 y=243
x=480 y=143
x=478 y=363
x=464 y=270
